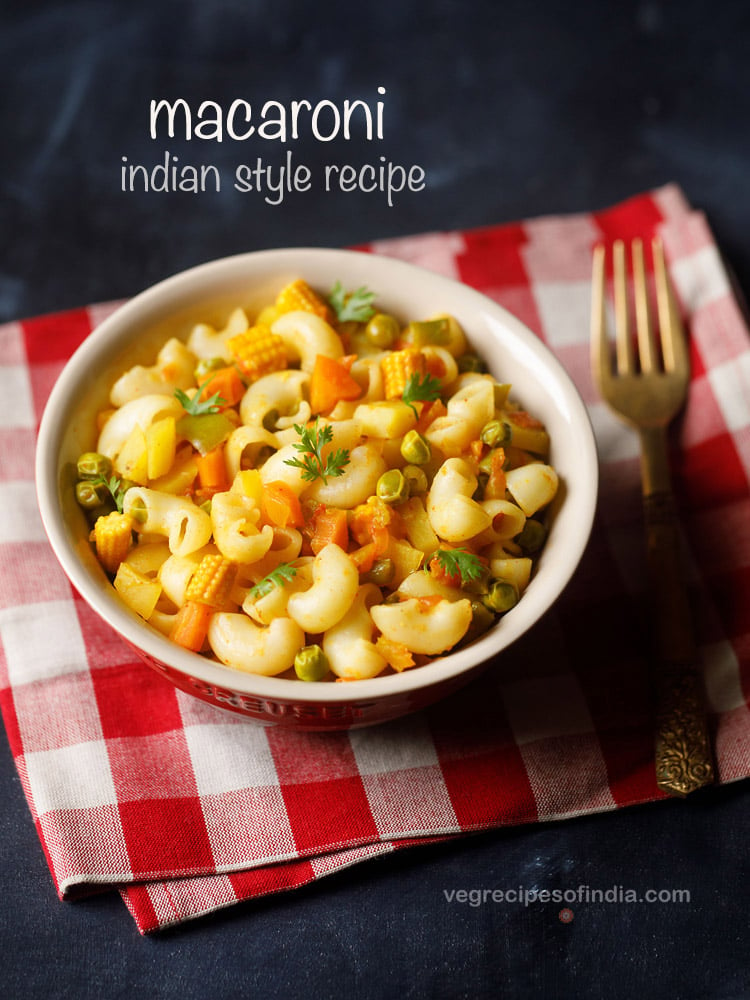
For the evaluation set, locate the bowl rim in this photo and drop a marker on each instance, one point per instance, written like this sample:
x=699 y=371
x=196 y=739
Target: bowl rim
x=106 y=603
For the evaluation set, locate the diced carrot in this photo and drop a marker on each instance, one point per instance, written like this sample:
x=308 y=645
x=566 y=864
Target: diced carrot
x=281 y=505
x=191 y=625
x=381 y=538
x=212 y=471
x=435 y=365
x=495 y=486
x=429 y=412
x=396 y=653
x=364 y=557
x=329 y=525
x=477 y=449
x=227 y=383
x=376 y=522
x=330 y=381
x=309 y=509
x=347 y=361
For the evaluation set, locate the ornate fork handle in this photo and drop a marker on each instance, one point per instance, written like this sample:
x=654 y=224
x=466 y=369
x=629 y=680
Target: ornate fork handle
x=683 y=749
x=648 y=395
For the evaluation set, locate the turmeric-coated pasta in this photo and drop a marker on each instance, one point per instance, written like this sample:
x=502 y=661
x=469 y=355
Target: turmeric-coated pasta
x=319 y=490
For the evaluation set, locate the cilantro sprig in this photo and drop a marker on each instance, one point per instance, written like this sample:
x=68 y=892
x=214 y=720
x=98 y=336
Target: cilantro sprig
x=312 y=441
x=459 y=562
x=117 y=488
x=282 y=574
x=420 y=388
x=356 y=305
x=196 y=406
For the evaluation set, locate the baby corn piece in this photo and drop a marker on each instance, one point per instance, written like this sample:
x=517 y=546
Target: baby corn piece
x=258 y=351
x=113 y=538
x=299 y=295
x=397 y=367
x=212 y=581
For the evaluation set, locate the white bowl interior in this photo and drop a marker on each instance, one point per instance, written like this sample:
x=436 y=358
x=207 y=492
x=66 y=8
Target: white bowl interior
x=207 y=293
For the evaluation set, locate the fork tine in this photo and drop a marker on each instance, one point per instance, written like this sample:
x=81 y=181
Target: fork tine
x=599 y=346
x=623 y=343
x=645 y=333
x=673 y=345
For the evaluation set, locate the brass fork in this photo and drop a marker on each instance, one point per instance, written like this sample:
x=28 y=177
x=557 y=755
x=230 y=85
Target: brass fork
x=647 y=387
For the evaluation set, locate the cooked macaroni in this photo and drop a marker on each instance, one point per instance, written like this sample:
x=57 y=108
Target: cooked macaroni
x=325 y=492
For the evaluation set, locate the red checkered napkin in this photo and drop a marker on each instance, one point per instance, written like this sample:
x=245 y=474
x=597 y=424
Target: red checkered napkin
x=185 y=808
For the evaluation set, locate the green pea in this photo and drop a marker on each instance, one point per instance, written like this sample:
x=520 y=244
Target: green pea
x=532 y=537
x=416 y=479
x=393 y=487
x=482 y=619
x=415 y=448
x=471 y=363
x=207 y=505
x=92 y=465
x=311 y=663
x=496 y=433
x=382 y=572
x=382 y=330
x=207 y=365
x=501 y=596
x=91 y=495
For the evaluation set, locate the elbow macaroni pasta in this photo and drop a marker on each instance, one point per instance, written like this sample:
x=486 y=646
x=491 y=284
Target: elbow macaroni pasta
x=174 y=369
x=453 y=514
x=186 y=527
x=235 y=518
x=429 y=630
x=334 y=583
x=141 y=412
x=306 y=336
x=205 y=342
x=282 y=392
x=358 y=481
x=367 y=529
x=240 y=643
x=348 y=644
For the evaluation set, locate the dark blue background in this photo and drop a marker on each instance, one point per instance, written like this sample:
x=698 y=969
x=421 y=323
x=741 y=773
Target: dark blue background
x=513 y=109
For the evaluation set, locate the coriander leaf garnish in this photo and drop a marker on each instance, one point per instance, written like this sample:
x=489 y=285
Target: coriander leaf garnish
x=356 y=305
x=276 y=578
x=312 y=441
x=459 y=562
x=116 y=487
x=420 y=389
x=196 y=406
